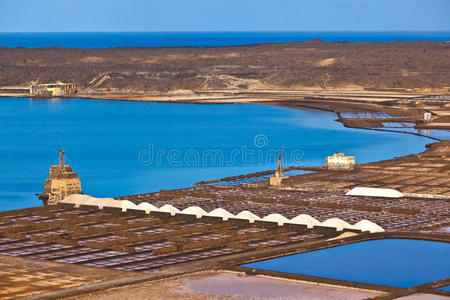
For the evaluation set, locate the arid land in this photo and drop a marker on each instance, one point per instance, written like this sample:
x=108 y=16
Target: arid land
x=402 y=79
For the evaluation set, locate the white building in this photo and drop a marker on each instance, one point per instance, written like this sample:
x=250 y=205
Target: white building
x=340 y=162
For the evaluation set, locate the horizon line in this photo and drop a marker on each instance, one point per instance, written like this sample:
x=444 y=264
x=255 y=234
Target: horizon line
x=238 y=31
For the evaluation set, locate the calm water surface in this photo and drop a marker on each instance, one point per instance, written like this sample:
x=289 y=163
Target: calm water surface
x=122 y=148
x=392 y=262
x=204 y=39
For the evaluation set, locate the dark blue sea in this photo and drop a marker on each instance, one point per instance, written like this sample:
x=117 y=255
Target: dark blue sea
x=95 y=40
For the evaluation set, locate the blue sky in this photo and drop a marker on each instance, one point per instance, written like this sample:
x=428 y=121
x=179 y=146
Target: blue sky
x=222 y=15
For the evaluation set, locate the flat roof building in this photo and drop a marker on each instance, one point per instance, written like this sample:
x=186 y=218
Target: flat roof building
x=340 y=162
x=52 y=89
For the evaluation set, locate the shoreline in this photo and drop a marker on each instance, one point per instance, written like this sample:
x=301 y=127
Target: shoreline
x=352 y=101
x=336 y=101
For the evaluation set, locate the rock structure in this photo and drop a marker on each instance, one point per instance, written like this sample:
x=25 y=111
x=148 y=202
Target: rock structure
x=62 y=183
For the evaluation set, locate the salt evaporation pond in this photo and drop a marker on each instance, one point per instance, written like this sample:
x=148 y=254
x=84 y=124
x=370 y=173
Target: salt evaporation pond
x=391 y=262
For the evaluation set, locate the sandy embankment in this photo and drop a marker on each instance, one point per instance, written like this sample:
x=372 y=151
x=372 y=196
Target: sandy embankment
x=226 y=285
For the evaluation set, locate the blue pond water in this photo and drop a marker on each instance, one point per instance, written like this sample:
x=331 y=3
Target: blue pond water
x=391 y=262
x=123 y=148
x=203 y=39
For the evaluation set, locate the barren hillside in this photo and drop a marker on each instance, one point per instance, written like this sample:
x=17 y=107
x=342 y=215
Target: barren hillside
x=421 y=65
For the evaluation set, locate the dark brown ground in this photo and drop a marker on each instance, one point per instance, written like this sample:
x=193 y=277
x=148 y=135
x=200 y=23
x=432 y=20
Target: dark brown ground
x=423 y=65
x=24 y=277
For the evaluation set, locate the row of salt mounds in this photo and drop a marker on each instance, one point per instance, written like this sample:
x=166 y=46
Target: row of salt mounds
x=167 y=208
x=221 y=213
x=147 y=207
x=80 y=199
x=366 y=225
x=303 y=219
x=247 y=215
x=374 y=192
x=194 y=210
x=337 y=223
x=277 y=218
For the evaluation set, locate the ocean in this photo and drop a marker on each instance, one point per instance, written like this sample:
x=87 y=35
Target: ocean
x=94 y=40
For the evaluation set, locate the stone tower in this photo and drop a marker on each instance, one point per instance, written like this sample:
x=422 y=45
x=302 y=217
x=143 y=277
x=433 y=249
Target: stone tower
x=62 y=182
